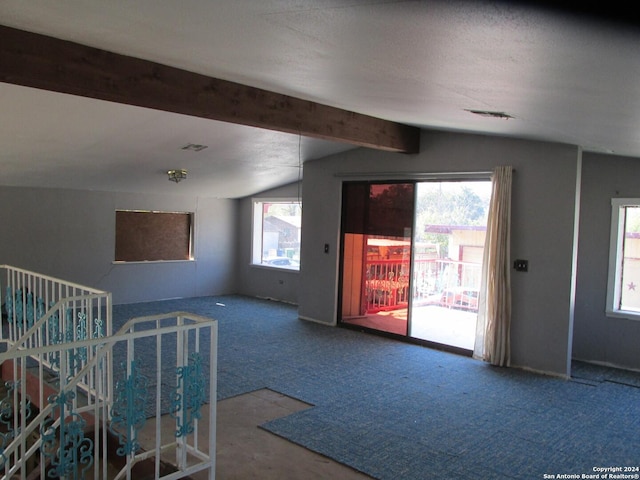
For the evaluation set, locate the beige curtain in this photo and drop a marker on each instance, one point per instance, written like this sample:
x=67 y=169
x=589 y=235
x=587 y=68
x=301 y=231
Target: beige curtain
x=494 y=307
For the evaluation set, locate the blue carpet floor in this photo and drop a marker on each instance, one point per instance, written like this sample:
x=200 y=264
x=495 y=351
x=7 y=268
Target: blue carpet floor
x=399 y=411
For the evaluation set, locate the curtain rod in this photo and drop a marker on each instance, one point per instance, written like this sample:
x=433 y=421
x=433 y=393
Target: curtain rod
x=413 y=175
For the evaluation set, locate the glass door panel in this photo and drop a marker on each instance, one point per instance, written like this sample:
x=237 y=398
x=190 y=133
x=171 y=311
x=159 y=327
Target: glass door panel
x=451 y=223
x=376 y=255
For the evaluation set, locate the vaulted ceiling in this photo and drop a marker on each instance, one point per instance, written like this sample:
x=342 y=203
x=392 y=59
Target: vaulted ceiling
x=109 y=95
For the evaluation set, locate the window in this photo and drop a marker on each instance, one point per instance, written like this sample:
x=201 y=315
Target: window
x=144 y=236
x=276 y=233
x=623 y=291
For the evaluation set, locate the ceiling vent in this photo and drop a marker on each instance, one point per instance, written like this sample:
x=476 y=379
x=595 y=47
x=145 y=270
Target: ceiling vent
x=194 y=147
x=491 y=114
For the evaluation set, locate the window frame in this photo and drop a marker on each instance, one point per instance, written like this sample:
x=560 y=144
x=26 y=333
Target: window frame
x=190 y=247
x=614 y=276
x=257 y=231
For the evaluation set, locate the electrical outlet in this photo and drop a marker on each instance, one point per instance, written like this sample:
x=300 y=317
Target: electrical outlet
x=521 y=265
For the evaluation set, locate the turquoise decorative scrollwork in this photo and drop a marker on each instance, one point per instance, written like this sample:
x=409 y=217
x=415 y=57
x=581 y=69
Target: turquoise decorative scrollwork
x=68 y=325
x=55 y=336
x=98 y=328
x=76 y=357
x=6 y=419
x=7 y=414
x=8 y=302
x=186 y=406
x=98 y=332
x=69 y=452
x=30 y=315
x=18 y=308
x=7 y=411
x=33 y=309
x=81 y=334
x=128 y=411
x=40 y=308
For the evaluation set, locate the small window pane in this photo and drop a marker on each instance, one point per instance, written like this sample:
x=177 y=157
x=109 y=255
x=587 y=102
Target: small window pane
x=630 y=268
x=277 y=231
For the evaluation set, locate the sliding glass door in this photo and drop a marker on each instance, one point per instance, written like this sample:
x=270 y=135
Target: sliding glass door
x=377 y=223
x=411 y=258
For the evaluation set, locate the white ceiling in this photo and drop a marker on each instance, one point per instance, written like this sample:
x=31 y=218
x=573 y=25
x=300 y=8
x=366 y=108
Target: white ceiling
x=562 y=77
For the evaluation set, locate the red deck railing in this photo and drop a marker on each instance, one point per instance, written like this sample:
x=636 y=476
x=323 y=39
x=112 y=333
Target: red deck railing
x=447 y=282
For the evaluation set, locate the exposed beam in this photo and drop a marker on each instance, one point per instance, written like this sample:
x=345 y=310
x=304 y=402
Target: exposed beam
x=44 y=62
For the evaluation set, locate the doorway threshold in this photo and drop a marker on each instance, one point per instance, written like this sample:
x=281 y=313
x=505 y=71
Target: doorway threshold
x=403 y=338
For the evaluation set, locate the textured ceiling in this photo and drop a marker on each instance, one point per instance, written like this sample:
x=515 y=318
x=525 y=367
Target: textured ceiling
x=562 y=76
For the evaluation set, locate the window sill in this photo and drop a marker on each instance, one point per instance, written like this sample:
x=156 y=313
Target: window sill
x=146 y=262
x=623 y=314
x=275 y=267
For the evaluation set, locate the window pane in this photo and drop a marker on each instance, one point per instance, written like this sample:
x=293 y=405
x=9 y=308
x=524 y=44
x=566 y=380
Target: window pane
x=281 y=222
x=630 y=271
x=376 y=245
x=355 y=198
x=377 y=208
x=390 y=209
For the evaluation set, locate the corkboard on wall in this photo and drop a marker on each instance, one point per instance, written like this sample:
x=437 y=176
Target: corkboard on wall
x=152 y=236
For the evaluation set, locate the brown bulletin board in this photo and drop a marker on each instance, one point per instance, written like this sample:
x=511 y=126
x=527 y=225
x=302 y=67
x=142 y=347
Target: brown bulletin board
x=153 y=236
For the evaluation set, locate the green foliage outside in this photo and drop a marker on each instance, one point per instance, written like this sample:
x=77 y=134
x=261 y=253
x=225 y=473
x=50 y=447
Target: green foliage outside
x=459 y=203
x=288 y=209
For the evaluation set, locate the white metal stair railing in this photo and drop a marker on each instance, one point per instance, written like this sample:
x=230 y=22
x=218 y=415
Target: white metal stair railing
x=28 y=296
x=61 y=409
x=181 y=390
x=58 y=431
x=45 y=377
x=62 y=435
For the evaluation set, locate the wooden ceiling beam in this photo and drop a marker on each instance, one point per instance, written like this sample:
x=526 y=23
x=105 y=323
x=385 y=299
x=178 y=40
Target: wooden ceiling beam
x=48 y=63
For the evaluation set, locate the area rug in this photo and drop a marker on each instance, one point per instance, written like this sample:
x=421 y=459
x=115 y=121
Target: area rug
x=399 y=411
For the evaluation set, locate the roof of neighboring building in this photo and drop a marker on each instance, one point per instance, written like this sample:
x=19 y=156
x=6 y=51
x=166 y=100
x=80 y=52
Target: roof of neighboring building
x=447 y=229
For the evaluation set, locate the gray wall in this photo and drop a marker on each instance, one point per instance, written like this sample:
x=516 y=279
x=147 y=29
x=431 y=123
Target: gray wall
x=264 y=282
x=543 y=212
x=70 y=234
x=598 y=338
